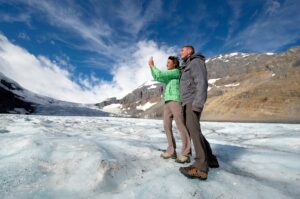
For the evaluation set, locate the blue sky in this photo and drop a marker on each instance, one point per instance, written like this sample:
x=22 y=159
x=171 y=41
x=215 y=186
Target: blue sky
x=99 y=45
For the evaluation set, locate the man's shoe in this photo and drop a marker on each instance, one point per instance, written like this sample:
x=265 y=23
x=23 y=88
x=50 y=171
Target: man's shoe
x=167 y=155
x=193 y=172
x=183 y=159
x=213 y=162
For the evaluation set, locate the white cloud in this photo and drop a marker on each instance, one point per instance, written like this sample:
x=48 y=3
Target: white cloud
x=45 y=77
x=135 y=71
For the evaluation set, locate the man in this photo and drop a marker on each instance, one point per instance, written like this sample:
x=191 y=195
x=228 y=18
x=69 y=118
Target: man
x=193 y=89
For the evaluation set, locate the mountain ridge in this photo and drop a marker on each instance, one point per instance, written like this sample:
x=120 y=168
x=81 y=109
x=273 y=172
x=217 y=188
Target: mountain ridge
x=248 y=87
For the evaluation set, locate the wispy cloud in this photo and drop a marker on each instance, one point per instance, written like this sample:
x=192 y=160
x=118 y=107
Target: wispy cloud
x=275 y=27
x=65 y=16
x=234 y=19
x=23 y=17
x=24 y=36
x=95 y=32
x=135 y=16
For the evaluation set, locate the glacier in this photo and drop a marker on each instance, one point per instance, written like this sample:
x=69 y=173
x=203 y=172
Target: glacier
x=106 y=157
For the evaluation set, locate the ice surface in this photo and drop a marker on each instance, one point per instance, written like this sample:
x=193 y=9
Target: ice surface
x=101 y=157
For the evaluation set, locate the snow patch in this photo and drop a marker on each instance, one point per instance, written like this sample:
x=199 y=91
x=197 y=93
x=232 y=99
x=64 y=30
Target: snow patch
x=225 y=57
x=145 y=106
x=213 y=81
x=232 y=85
x=113 y=108
x=148 y=83
x=233 y=54
x=152 y=87
x=269 y=53
x=244 y=55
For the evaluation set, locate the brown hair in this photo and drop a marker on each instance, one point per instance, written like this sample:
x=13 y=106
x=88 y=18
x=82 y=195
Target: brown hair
x=191 y=48
x=175 y=60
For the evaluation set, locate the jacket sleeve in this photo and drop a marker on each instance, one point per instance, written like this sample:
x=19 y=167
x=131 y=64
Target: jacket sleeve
x=164 y=76
x=199 y=75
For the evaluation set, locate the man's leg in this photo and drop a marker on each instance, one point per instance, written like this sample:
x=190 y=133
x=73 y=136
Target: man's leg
x=193 y=126
x=212 y=159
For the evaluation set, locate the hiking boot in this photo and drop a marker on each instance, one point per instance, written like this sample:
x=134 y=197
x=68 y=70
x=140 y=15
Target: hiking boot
x=193 y=172
x=167 y=155
x=213 y=162
x=183 y=159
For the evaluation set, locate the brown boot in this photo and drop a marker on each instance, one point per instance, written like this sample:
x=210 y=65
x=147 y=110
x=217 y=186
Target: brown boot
x=193 y=172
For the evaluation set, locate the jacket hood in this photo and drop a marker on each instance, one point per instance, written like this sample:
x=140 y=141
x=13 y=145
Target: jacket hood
x=200 y=56
x=184 y=63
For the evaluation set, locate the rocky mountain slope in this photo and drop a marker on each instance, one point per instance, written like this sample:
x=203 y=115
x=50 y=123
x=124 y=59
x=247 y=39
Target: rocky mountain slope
x=10 y=101
x=15 y=99
x=242 y=87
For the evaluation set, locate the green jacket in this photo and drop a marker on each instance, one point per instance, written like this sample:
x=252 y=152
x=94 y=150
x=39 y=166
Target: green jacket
x=171 y=79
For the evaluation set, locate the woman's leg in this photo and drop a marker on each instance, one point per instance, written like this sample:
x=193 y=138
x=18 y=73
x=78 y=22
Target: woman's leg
x=176 y=110
x=168 y=117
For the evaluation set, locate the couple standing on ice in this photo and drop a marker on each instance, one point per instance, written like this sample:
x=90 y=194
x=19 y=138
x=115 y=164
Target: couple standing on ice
x=184 y=95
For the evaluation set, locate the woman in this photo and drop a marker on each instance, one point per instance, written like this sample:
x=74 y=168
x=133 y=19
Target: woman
x=172 y=109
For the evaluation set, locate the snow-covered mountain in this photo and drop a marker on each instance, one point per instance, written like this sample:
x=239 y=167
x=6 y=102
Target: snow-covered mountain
x=137 y=103
x=242 y=87
x=98 y=157
x=16 y=99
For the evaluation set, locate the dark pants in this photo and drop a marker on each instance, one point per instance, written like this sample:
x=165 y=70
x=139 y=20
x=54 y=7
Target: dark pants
x=202 y=148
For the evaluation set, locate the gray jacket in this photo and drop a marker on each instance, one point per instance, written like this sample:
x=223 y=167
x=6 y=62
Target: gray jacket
x=193 y=82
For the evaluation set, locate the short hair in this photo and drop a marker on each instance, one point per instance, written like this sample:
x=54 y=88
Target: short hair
x=175 y=60
x=191 y=48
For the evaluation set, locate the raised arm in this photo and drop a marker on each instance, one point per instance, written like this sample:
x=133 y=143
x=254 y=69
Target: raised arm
x=164 y=76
